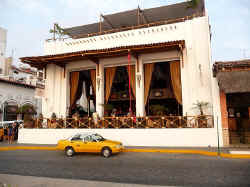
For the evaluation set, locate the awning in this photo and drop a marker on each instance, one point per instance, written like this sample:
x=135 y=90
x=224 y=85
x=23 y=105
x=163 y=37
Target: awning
x=93 y=55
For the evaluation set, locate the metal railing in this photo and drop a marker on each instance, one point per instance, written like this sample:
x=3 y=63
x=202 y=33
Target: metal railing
x=205 y=121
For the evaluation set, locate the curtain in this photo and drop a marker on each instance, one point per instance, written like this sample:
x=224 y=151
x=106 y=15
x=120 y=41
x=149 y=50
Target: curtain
x=132 y=78
x=93 y=79
x=74 y=82
x=76 y=85
x=109 y=77
x=176 y=80
x=148 y=71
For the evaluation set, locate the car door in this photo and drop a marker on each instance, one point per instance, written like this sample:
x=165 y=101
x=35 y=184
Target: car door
x=91 y=145
x=77 y=143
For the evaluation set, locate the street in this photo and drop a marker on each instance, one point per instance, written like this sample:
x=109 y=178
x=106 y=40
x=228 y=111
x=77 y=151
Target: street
x=134 y=168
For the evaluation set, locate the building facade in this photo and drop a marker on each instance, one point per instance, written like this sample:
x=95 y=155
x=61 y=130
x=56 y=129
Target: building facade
x=233 y=78
x=18 y=86
x=163 y=52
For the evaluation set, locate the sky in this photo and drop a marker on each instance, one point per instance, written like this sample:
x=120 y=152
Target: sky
x=28 y=22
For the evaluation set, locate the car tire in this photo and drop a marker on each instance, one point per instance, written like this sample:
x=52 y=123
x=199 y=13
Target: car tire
x=69 y=151
x=1 y=139
x=106 y=152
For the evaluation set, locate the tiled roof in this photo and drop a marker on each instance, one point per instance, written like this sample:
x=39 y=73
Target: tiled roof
x=233 y=76
x=231 y=65
x=17 y=83
x=29 y=71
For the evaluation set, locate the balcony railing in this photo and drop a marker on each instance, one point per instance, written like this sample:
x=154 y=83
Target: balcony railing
x=205 y=121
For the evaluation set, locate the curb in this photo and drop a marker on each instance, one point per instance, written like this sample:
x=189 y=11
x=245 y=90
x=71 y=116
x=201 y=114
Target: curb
x=169 y=151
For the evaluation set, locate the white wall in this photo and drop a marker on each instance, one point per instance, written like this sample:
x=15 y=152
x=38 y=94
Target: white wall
x=55 y=92
x=196 y=71
x=3 y=38
x=129 y=137
x=196 y=68
x=19 y=94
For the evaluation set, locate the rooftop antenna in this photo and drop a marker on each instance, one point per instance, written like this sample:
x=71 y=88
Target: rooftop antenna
x=12 y=53
x=244 y=53
x=140 y=3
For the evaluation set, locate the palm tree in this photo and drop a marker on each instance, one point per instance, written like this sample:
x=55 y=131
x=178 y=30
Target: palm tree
x=193 y=3
x=201 y=105
x=58 y=31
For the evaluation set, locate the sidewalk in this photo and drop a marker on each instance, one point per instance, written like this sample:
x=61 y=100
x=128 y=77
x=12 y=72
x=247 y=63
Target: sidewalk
x=29 y=181
x=226 y=152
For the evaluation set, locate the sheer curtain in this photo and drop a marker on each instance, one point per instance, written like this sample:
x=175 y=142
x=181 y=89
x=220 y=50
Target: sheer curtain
x=109 y=77
x=148 y=71
x=176 y=80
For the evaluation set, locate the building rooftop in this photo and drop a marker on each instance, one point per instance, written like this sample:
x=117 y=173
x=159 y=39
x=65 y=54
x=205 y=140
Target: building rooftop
x=138 y=18
x=233 y=76
x=14 y=82
x=24 y=70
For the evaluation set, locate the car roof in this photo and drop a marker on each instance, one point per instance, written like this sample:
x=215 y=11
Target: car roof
x=82 y=134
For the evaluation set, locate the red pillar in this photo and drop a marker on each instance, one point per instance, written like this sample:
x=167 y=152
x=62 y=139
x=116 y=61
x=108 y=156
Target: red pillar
x=224 y=118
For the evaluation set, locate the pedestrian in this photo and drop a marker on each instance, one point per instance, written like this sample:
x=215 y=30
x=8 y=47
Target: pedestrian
x=10 y=133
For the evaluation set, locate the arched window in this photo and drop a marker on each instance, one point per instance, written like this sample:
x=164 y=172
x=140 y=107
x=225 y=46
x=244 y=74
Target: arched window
x=10 y=110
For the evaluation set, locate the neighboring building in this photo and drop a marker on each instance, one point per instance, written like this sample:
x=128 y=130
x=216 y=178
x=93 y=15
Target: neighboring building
x=27 y=75
x=3 y=34
x=166 y=51
x=18 y=86
x=233 y=78
x=15 y=94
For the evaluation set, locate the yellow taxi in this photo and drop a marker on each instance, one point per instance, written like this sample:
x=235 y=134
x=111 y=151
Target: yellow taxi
x=1 y=133
x=90 y=142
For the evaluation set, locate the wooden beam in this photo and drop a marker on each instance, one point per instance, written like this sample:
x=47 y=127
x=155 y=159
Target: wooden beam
x=93 y=59
x=134 y=54
x=100 y=24
x=107 y=20
x=138 y=15
x=182 y=59
x=60 y=64
x=45 y=72
x=64 y=71
x=143 y=15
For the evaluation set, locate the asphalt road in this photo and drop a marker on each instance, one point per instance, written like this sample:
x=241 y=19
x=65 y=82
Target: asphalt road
x=134 y=168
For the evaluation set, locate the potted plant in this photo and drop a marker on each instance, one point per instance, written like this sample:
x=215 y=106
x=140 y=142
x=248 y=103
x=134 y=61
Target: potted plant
x=201 y=106
x=158 y=110
x=27 y=111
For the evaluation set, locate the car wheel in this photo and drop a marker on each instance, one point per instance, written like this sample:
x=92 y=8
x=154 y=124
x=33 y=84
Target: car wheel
x=106 y=152
x=1 y=139
x=69 y=151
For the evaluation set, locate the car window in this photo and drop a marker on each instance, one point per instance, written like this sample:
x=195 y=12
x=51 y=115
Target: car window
x=88 y=139
x=76 y=137
x=97 y=138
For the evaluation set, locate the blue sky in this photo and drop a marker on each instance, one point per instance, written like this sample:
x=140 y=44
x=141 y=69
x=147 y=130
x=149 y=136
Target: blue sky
x=28 y=22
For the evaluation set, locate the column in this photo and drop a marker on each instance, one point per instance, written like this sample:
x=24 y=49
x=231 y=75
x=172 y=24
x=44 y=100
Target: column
x=100 y=89
x=224 y=118
x=139 y=71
